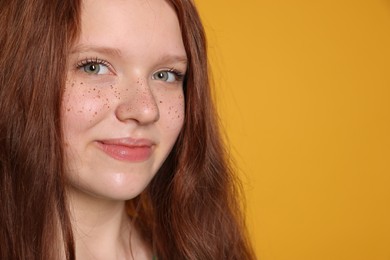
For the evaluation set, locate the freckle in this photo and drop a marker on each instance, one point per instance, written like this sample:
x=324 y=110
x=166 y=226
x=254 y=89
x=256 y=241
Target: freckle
x=81 y=83
x=73 y=84
x=95 y=113
x=160 y=102
x=68 y=109
x=98 y=96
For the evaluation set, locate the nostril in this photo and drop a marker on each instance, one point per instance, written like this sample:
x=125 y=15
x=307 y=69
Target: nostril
x=139 y=105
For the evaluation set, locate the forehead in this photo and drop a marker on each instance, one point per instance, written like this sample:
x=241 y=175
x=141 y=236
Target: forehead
x=132 y=26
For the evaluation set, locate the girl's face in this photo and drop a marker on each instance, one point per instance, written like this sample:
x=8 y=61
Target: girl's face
x=123 y=105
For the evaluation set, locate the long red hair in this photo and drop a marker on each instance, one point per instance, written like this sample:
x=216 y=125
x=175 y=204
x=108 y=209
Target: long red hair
x=190 y=210
x=34 y=40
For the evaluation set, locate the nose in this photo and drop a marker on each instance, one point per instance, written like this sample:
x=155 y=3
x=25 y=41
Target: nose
x=138 y=104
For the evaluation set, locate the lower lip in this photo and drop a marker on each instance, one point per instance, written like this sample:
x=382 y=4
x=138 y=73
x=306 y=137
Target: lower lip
x=126 y=153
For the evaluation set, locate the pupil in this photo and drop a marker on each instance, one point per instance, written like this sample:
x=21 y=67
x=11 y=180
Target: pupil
x=92 y=67
x=161 y=75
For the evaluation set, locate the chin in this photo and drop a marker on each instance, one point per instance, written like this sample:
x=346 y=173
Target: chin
x=118 y=187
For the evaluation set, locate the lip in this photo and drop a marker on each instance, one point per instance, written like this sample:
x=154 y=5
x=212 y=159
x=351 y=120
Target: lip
x=127 y=149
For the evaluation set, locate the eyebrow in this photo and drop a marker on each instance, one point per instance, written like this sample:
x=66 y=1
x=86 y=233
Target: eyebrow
x=95 y=48
x=174 y=59
x=168 y=58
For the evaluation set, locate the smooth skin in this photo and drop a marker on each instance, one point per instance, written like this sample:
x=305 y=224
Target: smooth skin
x=122 y=112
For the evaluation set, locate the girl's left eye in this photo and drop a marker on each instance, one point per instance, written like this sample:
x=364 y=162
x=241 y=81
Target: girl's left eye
x=167 y=76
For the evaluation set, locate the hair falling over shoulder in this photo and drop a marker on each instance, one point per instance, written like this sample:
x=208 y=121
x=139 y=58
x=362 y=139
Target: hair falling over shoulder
x=191 y=209
x=34 y=38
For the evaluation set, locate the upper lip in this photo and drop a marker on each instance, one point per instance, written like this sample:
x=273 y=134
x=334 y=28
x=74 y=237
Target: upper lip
x=129 y=142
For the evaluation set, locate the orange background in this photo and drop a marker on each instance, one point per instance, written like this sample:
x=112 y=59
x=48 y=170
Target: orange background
x=304 y=94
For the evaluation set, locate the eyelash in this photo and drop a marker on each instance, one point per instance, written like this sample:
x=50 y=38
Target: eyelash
x=90 y=61
x=178 y=74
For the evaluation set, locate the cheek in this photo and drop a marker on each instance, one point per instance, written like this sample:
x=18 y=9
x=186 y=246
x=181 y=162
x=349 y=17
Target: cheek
x=83 y=105
x=172 y=112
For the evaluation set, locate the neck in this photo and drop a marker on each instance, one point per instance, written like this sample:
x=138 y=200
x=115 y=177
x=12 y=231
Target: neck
x=102 y=229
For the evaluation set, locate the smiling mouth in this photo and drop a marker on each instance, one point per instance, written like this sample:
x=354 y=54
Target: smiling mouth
x=129 y=150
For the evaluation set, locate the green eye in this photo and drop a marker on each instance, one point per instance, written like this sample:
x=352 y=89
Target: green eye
x=165 y=75
x=92 y=68
x=95 y=68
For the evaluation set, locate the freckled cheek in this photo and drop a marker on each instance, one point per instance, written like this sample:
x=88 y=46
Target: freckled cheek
x=83 y=103
x=172 y=110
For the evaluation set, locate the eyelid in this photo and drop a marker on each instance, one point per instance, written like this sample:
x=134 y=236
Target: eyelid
x=179 y=75
x=87 y=61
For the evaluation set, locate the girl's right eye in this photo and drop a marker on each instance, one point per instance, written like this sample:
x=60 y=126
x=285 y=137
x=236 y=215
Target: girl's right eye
x=94 y=67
